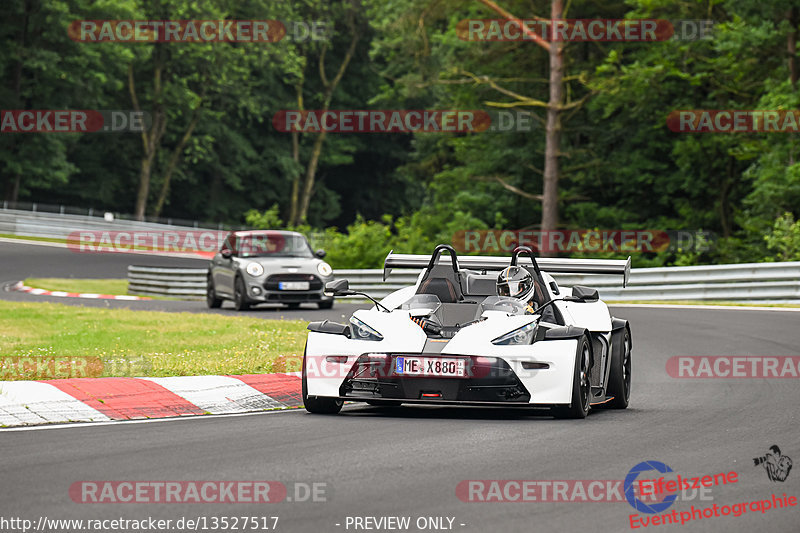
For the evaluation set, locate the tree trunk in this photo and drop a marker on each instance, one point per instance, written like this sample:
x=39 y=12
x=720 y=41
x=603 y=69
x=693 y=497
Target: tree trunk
x=294 y=206
x=173 y=163
x=791 y=49
x=151 y=140
x=553 y=132
x=311 y=169
x=144 y=186
x=311 y=173
x=791 y=46
x=12 y=191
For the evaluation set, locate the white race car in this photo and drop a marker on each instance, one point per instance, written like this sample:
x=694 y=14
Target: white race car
x=451 y=339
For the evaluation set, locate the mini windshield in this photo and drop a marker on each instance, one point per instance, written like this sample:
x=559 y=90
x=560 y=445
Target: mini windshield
x=273 y=245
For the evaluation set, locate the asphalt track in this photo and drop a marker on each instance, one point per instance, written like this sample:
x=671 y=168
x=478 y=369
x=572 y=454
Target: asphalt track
x=408 y=461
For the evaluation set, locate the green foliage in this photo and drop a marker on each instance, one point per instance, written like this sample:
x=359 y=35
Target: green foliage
x=621 y=167
x=784 y=238
x=269 y=219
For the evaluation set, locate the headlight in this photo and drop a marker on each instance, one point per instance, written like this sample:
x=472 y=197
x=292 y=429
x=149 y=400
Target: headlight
x=254 y=269
x=324 y=269
x=363 y=332
x=523 y=335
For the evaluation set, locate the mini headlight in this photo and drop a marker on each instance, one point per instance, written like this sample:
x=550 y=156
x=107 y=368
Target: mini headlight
x=324 y=269
x=363 y=332
x=523 y=335
x=254 y=269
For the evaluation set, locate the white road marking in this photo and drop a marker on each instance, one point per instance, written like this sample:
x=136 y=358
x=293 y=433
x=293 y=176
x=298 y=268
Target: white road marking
x=33 y=402
x=217 y=394
x=146 y=421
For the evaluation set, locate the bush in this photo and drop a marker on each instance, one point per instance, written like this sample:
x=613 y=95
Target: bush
x=784 y=238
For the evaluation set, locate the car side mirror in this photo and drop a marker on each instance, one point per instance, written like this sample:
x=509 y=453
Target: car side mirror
x=584 y=294
x=338 y=287
x=320 y=253
x=226 y=253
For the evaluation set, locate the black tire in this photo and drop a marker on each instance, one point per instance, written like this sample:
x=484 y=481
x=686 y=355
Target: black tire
x=212 y=300
x=384 y=403
x=326 y=305
x=319 y=406
x=581 y=388
x=293 y=305
x=619 y=377
x=240 y=302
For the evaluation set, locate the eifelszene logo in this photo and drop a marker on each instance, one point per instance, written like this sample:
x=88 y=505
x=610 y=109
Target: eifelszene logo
x=777 y=466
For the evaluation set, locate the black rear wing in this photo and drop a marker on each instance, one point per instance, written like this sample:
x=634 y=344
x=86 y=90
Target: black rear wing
x=621 y=267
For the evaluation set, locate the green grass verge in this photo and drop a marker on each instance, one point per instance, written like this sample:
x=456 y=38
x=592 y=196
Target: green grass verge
x=32 y=238
x=698 y=302
x=96 y=286
x=114 y=287
x=44 y=340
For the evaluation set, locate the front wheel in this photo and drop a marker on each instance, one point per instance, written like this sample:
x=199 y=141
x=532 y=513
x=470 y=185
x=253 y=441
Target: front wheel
x=212 y=300
x=240 y=302
x=326 y=305
x=319 y=406
x=581 y=388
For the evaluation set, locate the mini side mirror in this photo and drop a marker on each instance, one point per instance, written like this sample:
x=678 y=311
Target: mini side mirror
x=338 y=287
x=320 y=253
x=226 y=253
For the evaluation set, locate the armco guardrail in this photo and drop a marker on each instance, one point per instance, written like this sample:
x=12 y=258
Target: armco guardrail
x=190 y=283
x=184 y=283
x=60 y=226
x=750 y=282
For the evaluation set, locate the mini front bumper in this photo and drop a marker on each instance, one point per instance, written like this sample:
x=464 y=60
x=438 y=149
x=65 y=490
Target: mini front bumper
x=257 y=292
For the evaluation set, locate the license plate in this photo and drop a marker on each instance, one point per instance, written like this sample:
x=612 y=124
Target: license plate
x=430 y=366
x=293 y=285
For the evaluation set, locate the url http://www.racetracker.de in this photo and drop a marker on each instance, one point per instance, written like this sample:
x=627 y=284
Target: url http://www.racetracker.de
x=44 y=524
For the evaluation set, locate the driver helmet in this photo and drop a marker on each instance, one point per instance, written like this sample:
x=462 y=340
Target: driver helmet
x=516 y=282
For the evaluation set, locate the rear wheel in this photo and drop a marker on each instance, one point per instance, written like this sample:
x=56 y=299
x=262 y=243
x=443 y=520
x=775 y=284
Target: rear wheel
x=581 y=388
x=212 y=300
x=320 y=406
x=240 y=302
x=619 y=378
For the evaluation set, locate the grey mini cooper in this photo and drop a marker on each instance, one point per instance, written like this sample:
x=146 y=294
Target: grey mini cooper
x=255 y=267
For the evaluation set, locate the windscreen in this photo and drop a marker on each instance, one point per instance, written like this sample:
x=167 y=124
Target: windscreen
x=419 y=304
x=273 y=245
